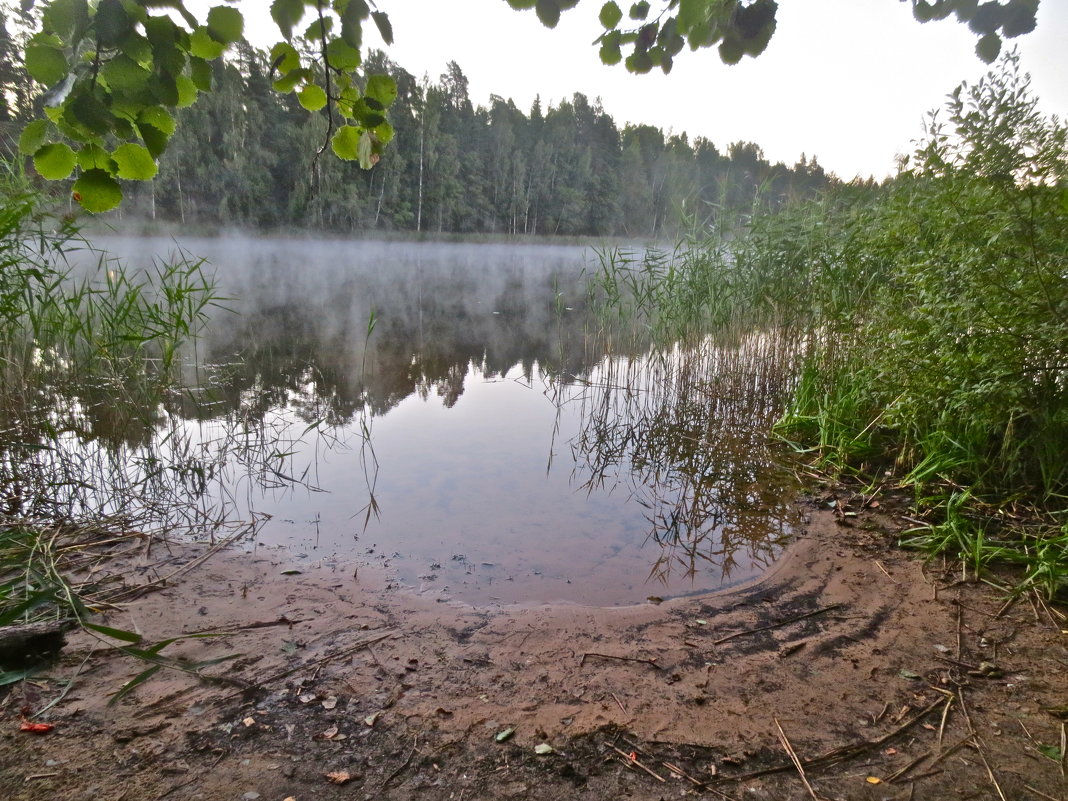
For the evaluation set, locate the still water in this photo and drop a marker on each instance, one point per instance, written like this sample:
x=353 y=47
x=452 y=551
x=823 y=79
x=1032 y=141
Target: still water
x=450 y=414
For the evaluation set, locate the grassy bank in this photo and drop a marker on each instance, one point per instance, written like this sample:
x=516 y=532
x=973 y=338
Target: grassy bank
x=932 y=318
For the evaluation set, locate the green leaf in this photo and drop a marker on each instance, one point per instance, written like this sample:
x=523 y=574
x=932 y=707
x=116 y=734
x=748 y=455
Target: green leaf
x=225 y=24
x=45 y=63
x=159 y=117
x=112 y=23
x=135 y=163
x=312 y=97
x=155 y=139
x=639 y=62
x=610 y=16
x=548 y=12
x=14 y=676
x=384 y=133
x=97 y=191
x=55 y=161
x=319 y=28
x=93 y=157
x=731 y=49
x=125 y=74
x=610 y=53
x=341 y=55
x=382 y=88
x=201 y=74
x=139 y=679
x=365 y=151
x=351 y=26
x=639 y=11
x=88 y=111
x=988 y=48
x=287 y=83
x=138 y=48
x=164 y=88
x=33 y=137
x=346 y=142
x=118 y=634
x=202 y=45
x=66 y=17
x=385 y=27
x=691 y=14
x=286 y=14
x=284 y=58
x=187 y=91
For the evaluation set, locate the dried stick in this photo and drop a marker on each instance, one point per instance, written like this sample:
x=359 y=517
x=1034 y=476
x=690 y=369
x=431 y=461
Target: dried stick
x=1040 y=794
x=878 y=564
x=634 y=761
x=317 y=663
x=619 y=658
x=780 y=624
x=837 y=754
x=793 y=758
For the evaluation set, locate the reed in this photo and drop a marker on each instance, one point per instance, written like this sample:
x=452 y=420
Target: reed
x=930 y=318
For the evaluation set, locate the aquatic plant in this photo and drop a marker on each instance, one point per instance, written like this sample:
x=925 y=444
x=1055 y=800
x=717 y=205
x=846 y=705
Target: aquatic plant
x=931 y=314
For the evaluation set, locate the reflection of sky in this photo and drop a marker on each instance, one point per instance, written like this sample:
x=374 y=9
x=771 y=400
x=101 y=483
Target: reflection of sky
x=482 y=462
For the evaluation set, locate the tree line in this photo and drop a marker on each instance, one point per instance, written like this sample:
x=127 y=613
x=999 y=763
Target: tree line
x=246 y=155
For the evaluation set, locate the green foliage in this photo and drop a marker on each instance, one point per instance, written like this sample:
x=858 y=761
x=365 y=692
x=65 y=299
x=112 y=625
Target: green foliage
x=116 y=70
x=738 y=28
x=934 y=314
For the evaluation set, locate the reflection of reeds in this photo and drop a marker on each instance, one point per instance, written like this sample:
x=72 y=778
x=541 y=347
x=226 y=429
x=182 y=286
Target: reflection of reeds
x=100 y=444
x=684 y=429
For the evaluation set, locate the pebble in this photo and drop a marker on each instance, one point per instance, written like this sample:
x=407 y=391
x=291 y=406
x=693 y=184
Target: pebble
x=251 y=795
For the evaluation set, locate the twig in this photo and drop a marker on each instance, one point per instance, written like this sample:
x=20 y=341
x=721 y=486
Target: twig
x=793 y=758
x=780 y=624
x=1040 y=794
x=631 y=760
x=399 y=770
x=945 y=715
x=236 y=627
x=619 y=703
x=837 y=754
x=977 y=741
x=35 y=776
x=329 y=658
x=878 y=564
x=620 y=658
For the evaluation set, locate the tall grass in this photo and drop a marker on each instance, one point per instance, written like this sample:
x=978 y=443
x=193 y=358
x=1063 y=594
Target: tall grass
x=932 y=314
x=88 y=367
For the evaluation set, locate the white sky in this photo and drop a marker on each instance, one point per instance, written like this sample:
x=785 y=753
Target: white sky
x=847 y=80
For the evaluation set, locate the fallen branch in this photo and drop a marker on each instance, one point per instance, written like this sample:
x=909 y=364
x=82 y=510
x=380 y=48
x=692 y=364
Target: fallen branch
x=780 y=624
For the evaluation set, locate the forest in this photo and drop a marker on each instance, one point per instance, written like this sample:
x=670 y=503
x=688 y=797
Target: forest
x=246 y=155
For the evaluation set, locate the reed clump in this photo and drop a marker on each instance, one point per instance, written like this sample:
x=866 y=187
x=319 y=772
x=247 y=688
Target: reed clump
x=89 y=358
x=931 y=316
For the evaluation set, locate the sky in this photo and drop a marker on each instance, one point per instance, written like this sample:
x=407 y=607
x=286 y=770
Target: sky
x=849 y=81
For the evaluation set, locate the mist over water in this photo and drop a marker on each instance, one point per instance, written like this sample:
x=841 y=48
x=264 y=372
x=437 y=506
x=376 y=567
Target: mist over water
x=448 y=414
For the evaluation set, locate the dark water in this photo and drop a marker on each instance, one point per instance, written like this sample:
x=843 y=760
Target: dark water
x=448 y=413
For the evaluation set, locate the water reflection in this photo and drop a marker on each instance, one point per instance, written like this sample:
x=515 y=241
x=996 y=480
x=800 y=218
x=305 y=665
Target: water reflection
x=443 y=411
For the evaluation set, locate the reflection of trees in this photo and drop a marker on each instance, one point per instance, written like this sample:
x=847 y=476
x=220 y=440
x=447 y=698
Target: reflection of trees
x=301 y=341
x=685 y=431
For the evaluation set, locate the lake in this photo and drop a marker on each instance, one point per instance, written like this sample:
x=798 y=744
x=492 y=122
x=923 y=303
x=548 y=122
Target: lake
x=452 y=415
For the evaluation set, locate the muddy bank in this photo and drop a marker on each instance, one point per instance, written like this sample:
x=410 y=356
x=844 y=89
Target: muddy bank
x=886 y=678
